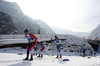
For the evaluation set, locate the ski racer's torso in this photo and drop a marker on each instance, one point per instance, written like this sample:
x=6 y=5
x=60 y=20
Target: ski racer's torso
x=31 y=38
x=57 y=41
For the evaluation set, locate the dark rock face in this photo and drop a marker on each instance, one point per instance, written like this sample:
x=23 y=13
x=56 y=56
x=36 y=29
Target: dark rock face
x=6 y=24
x=20 y=20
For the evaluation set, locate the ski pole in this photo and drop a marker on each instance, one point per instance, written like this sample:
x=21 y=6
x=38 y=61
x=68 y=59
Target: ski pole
x=52 y=47
x=47 y=54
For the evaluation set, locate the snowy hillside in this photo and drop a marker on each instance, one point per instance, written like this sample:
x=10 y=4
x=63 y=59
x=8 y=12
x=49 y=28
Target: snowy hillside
x=20 y=20
x=6 y=24
x=95 y=32
x=66 y=31
x=44 y=27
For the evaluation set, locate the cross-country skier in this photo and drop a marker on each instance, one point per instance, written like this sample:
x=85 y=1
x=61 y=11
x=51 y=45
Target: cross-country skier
x=57 y=41
x=32 y=41
x=83 y=51
x=40 y=48
x=91 y=52
x=94 y=53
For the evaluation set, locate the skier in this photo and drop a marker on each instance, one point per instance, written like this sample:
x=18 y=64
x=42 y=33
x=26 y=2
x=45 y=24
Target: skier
x=32 y=41
x=91 y=52
x=94 y=53
x=57 y=41
x=40 y=48
x=83 y=51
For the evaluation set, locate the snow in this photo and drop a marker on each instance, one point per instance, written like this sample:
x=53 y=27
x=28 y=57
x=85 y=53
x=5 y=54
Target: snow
x=10 y=57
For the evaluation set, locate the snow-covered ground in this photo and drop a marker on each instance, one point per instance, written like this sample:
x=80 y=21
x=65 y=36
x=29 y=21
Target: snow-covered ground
x=70 y=50
x=10 y=57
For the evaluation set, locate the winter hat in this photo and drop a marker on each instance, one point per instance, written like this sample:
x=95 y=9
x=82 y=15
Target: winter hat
x=26 y=30
x=56 y=36
x=37 y=42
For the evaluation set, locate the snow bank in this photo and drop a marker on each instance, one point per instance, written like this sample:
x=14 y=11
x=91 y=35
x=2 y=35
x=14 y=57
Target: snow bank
x=10 y=57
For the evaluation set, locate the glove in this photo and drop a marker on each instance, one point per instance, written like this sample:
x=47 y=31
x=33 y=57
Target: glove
x=57 y=43
x=32 y=40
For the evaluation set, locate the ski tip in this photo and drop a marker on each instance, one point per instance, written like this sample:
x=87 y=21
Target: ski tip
x=65 y=60
x=23 y=59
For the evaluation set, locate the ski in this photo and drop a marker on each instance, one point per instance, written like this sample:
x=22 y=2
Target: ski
x=28 y=60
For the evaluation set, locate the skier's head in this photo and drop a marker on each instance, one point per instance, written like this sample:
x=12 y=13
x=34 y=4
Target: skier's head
x=56 y=37
x=26 y=31
x=37 y=43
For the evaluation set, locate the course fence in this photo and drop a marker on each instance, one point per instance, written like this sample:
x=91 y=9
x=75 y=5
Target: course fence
x=22 y=36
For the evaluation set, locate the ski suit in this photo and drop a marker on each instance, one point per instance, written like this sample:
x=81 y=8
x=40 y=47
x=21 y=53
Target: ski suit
x=32 y=41
x=91 y=52
x=40 y=48
x=83 y=51
x=58 y=45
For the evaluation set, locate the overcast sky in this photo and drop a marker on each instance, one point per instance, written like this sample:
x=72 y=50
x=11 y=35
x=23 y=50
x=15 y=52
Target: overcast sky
x=75 y=15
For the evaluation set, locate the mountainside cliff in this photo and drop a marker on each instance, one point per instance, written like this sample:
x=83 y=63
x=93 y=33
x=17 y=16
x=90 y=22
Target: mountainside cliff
x=20 y=21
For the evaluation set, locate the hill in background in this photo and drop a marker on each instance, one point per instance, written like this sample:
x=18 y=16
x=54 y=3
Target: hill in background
x=18 y=21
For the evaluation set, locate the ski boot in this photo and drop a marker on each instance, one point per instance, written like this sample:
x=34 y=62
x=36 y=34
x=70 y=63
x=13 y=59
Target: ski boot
x=57 y=56
x=41 y=55
x=26 y=58
x=38 y=55
x=31 y=58
x=60 y=56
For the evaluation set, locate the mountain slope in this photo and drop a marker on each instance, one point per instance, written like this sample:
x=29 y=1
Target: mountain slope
x=95 y=32
x=44 y=27
x=60 y=31
x=6 y=24
x=20 y=20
